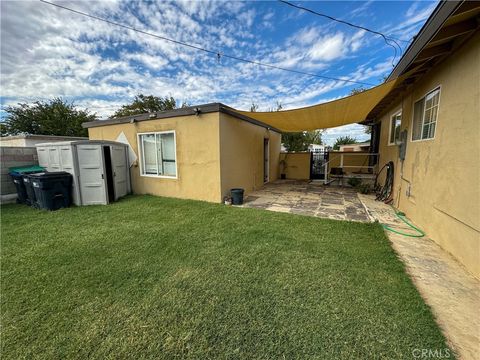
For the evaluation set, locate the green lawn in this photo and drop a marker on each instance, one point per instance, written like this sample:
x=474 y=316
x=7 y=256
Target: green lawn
x=158 y=278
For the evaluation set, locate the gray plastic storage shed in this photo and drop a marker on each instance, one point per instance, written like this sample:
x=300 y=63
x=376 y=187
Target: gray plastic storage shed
x=99 y=168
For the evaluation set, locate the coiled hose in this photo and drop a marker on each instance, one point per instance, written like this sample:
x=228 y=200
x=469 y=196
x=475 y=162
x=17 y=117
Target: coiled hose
x=384 y=192
x=401 y=216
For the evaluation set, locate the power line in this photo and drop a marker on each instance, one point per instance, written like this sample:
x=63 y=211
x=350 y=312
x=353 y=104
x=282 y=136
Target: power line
x=216 y=53
x=385 y=37
x=341 y=21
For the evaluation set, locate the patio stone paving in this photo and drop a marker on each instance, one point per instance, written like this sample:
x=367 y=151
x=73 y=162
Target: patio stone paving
x=310 y=199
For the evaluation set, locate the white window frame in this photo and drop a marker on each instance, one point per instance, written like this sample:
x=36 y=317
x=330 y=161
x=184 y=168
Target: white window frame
x=142 y=157
x=392 y=117
x=439 y=88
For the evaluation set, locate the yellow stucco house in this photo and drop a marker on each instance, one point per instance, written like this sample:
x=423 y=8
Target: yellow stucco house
x=435 y=116
x=425 y=120
x=196 y=153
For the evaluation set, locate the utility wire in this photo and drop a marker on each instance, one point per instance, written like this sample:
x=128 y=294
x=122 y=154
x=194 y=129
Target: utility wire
x=386 y=38
x=216 y=53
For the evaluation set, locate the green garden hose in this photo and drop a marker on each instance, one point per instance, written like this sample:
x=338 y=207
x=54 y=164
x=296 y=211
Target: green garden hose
x=401 y=216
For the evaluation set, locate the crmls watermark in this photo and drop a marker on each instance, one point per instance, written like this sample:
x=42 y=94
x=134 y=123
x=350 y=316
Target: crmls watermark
x=432 y=354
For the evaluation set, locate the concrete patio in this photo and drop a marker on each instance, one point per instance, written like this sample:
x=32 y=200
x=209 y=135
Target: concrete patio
x=309 y=198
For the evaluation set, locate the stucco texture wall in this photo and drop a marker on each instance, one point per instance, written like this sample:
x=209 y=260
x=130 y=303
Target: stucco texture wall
x=296 y=165
x=197 y=151
x=241 y=154
x=442 y=174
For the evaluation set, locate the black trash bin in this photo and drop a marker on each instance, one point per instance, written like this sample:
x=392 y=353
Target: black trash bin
x=52 y=190
x=18 y=175
x=31 y=199
x=237 y=196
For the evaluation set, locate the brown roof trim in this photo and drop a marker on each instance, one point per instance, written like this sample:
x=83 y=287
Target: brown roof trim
x=450 y=25
x=43 y=137
x=230 y=111
x=187 y=111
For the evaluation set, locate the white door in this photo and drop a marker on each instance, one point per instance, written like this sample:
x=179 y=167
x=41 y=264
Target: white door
x=54 y=159
x=93 y=187
x=66 y=158
x=120 y=170
x=42 y=153
x=266 y=162
x=67 y=163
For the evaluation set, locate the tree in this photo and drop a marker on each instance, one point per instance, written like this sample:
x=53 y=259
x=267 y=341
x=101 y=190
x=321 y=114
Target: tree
x=299 y=141
x=343 y=140
x=146 y=104
x=278 y=107
x=53 y=117
x=357 y=90
x=253 y=107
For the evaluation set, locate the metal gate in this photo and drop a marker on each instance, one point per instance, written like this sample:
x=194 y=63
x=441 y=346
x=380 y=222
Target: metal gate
x=318 y=159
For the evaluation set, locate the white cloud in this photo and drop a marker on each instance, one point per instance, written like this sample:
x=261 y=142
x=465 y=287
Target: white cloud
x=150 y=61
x=247 y=17
x=328 y=48
x=361 y=11
x=306 y=36
x=49 y=52
x=412 y=19
x=354 y=130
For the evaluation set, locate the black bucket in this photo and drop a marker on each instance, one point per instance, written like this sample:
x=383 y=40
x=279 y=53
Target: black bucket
x=237 y=196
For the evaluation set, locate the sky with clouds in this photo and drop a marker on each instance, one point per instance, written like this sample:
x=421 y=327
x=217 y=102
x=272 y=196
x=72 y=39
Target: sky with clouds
x=48 y=52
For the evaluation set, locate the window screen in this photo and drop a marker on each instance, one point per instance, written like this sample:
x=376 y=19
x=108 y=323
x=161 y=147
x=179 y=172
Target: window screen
x=431 y=112
x=425 y=113
x=149 y=152
x=158 y=154
x=395 y=124
x=417 y=119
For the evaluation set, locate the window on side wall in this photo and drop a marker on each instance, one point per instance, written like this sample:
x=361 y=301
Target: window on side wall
x=157 y=154
x=395 y=124
x=425 y=113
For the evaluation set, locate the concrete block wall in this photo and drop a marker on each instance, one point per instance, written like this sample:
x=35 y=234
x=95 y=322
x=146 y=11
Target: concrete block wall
x=11 y=157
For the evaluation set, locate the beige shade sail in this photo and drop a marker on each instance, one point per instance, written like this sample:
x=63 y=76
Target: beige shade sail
x=348 y=110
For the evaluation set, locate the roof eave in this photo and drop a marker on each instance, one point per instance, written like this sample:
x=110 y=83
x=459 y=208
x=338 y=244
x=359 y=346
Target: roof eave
x=187 y=111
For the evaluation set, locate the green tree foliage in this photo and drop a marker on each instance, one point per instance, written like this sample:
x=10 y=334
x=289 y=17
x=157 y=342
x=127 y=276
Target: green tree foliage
x=343 y=140
x=53 y=117
x=299 y=141
x=357 y=90
x=145 y=104
x=367 y=129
